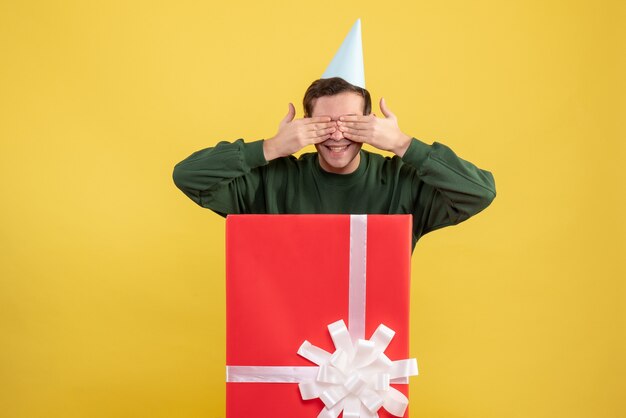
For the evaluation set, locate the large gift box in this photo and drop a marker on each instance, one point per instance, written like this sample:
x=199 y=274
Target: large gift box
x=305 y=299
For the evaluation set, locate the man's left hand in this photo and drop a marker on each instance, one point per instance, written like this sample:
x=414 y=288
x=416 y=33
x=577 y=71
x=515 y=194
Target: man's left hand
x=382 y=133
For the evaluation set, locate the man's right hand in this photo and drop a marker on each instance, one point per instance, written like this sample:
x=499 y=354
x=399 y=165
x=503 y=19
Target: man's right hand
x=293 y=135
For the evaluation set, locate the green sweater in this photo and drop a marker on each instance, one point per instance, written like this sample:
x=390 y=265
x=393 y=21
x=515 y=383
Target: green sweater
x=430 y=182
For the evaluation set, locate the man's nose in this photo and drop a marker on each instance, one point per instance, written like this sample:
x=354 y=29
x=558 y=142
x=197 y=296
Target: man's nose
x=337 y=135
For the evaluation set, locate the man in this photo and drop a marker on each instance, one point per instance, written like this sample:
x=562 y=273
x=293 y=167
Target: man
x=428 y=181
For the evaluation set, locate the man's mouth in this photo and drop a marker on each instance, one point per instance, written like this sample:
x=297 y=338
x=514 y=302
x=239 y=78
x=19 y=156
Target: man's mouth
x=337 y=148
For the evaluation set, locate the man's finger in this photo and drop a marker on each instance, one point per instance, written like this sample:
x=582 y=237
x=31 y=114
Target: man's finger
x=321 y=125
x=385 y=109
x=317 y=119
x=354 y=125
x=353 y=131
x=324 y=132
x=291 y=113
x=355 y=118
x=355 y=137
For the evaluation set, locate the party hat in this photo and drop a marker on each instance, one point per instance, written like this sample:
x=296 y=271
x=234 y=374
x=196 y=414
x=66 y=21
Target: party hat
x=348 y=61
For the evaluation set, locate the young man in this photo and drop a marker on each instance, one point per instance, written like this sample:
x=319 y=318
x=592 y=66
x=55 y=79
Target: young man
x=427 y=181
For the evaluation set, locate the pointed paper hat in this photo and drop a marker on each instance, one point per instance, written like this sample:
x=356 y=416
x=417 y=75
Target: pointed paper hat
x=348 y=61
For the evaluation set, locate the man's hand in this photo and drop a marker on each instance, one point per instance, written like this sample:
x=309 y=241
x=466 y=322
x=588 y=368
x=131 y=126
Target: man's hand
x=293 y=135
x=382 y=133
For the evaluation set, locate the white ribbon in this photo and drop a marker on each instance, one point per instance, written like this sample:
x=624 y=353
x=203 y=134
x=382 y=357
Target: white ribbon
x=358 y=276
x=269 y=374
x=355 y=378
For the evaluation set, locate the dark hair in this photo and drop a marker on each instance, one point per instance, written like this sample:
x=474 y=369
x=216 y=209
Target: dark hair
x=330 y=87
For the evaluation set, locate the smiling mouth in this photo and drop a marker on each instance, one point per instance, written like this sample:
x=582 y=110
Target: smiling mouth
x=337 y=148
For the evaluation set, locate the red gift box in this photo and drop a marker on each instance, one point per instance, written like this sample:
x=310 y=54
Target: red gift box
x=287 y=278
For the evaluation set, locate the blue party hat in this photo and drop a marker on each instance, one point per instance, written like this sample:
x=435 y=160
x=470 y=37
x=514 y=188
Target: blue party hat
x=348 y=61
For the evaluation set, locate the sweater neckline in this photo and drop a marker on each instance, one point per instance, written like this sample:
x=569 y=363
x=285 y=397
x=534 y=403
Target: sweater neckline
x=334 y=179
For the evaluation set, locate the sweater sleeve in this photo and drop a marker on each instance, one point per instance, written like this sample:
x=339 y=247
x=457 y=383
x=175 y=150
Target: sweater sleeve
x=224 y=178
x=448 y=189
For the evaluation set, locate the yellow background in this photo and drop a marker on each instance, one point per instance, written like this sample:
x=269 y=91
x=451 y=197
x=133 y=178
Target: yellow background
x=112 y=281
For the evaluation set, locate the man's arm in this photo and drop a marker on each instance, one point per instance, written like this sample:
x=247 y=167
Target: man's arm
x=227 y=178
x=448 y=190
x=224 y=178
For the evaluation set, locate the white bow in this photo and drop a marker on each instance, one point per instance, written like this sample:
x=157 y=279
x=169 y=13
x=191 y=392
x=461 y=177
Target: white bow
x=355 y=378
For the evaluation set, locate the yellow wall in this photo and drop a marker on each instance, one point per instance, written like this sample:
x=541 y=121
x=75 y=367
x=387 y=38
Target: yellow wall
x=112 y=282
